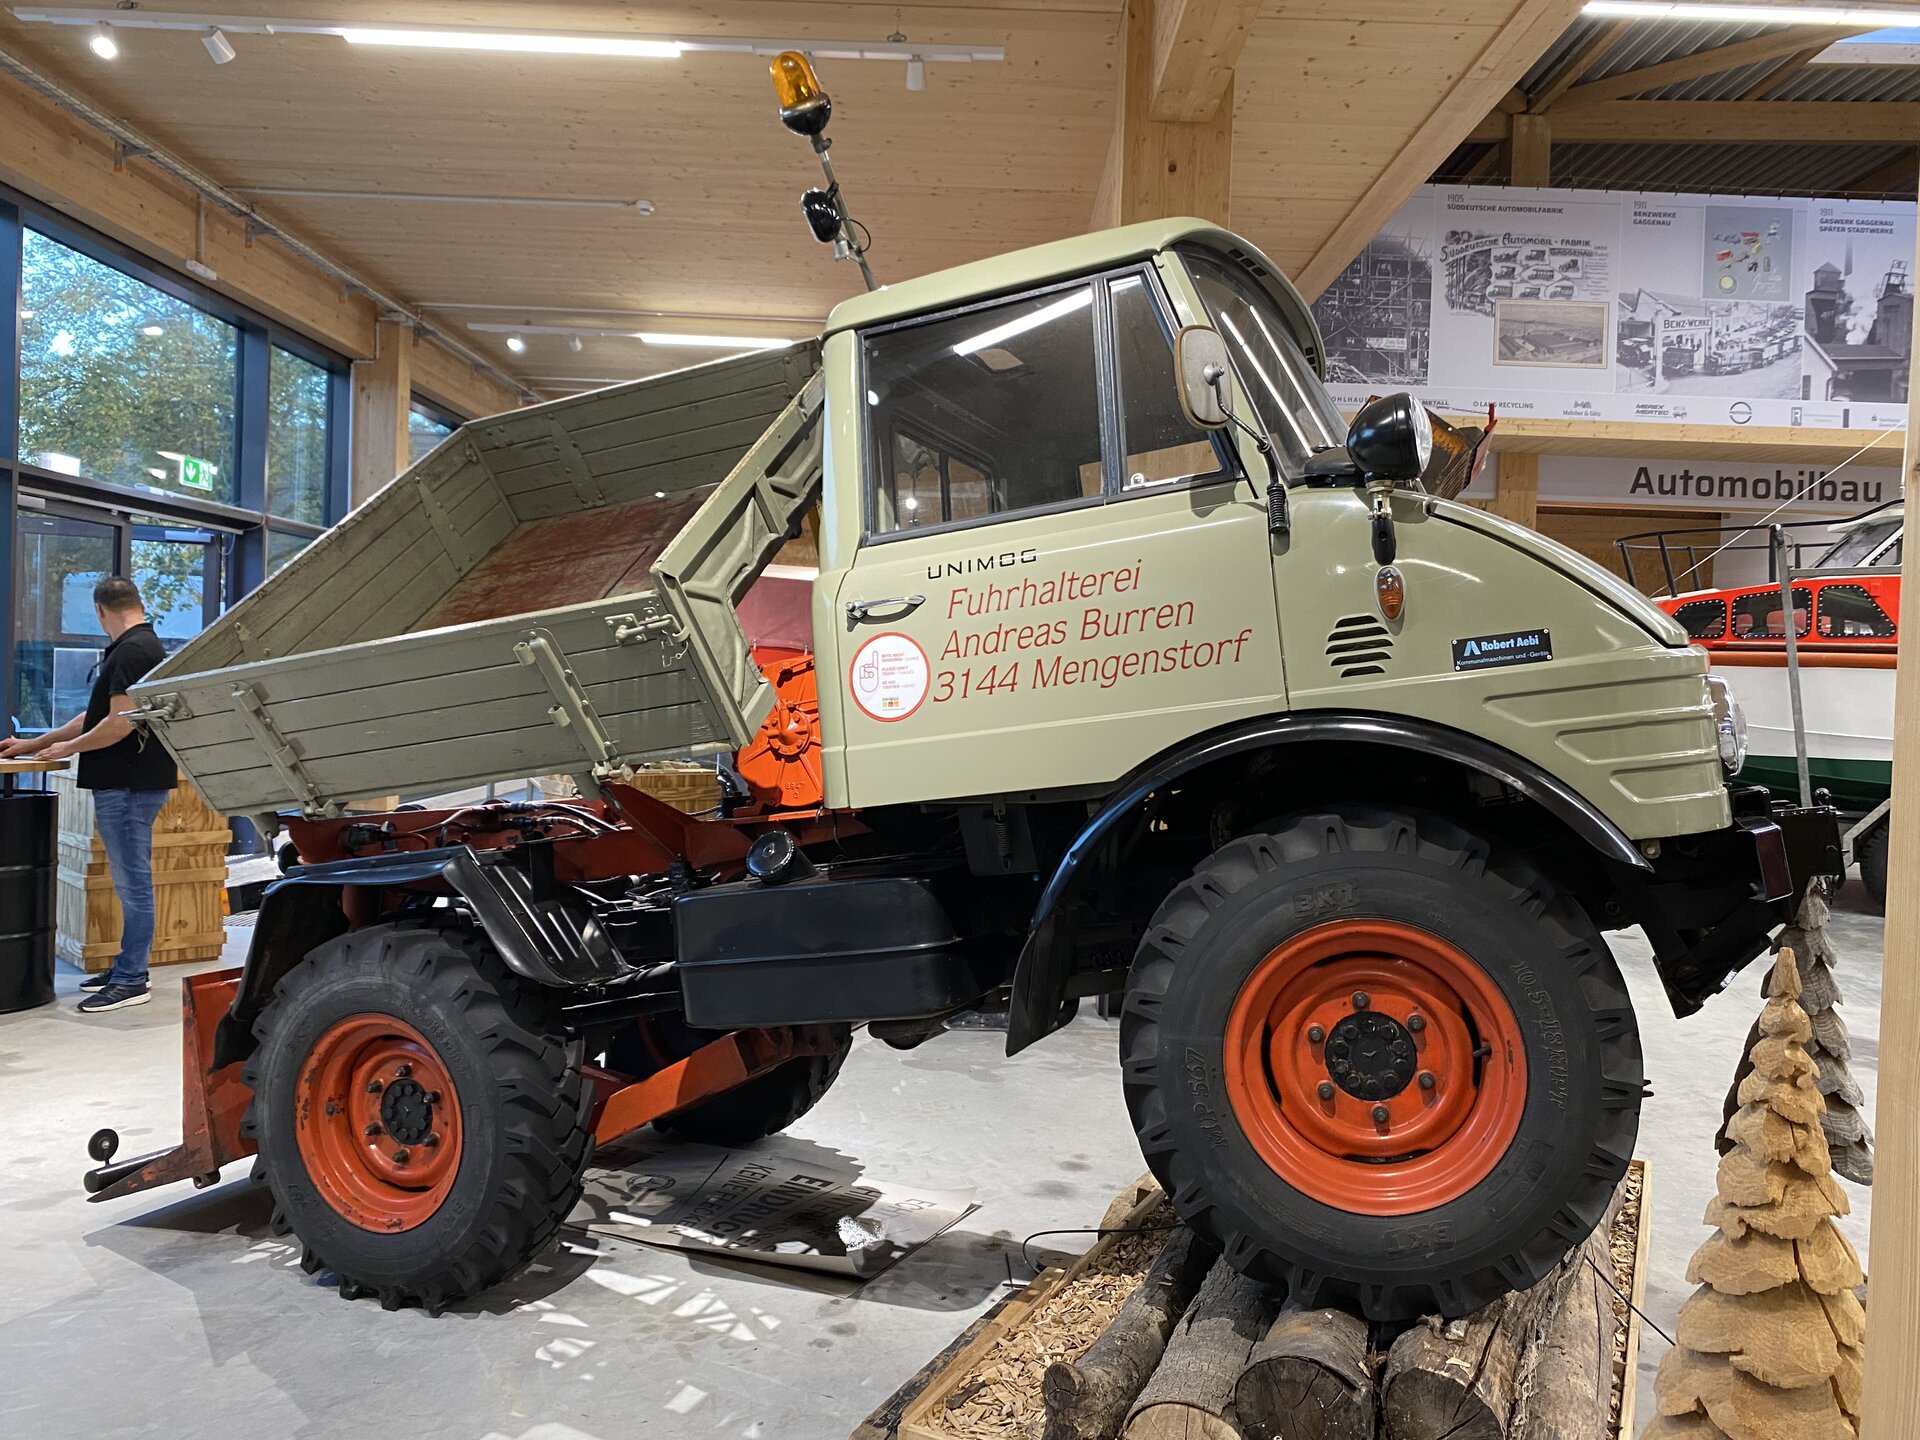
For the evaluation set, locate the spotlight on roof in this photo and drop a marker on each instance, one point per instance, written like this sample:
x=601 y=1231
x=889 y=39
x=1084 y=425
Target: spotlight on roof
x=102 y=43
x=218 y=46
x=916 y=74
x=516 y=344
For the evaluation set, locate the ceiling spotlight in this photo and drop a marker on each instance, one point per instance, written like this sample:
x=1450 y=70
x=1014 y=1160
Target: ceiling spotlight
x=102 y=43
x=516 y=344
x=916 y=73
x=152 y=332
x=573 y=344
x=218 y=46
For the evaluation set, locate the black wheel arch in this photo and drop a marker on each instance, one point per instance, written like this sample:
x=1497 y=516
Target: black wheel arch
x=539 y=937
x=1047 y=973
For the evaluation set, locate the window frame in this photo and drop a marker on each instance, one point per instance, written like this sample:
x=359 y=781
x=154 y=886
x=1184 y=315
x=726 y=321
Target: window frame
x=245 y=520
x=1107 y=406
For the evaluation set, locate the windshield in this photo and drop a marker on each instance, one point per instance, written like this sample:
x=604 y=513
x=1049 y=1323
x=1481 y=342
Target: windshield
x=1292 y=405
x=1857 y=547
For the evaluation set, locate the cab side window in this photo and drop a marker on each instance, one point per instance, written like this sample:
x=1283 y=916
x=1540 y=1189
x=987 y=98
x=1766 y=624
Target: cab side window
x=1161 y=447
x=984 y=413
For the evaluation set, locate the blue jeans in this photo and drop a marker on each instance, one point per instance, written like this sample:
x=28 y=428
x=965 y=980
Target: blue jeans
x=125 y=821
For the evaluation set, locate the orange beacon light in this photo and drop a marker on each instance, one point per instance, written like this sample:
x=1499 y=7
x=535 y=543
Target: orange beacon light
x=804 y=106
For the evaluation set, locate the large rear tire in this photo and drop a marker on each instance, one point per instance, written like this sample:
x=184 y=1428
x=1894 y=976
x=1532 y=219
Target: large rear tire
x=1376 y=1059
x=1871 y=852
x=763 y=1106
x=420 y=1121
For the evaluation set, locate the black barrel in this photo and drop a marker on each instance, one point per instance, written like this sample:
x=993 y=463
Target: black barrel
x=28 y=825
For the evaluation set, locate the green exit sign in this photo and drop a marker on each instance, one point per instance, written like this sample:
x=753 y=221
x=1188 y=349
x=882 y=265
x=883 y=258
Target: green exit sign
x=196 y=473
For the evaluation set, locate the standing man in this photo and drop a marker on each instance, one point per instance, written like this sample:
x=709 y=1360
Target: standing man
x=129 y=773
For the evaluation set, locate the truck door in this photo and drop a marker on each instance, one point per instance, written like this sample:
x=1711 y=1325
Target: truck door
x=1057 y=576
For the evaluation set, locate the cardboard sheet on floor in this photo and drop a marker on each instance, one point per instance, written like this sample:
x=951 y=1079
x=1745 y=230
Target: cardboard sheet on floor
x=783 y=1201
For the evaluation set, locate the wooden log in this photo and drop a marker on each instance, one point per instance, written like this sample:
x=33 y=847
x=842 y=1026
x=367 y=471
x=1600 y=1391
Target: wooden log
x=1569 y=1389
x=1459 y=1378
x=1190 y=1396
x=1088 y=1398
x=1309 y=1379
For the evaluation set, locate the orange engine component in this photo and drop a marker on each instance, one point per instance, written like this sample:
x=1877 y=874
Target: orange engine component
x=782 y=765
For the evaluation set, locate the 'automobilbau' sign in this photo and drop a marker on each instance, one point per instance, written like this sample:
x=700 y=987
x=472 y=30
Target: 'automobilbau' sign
x=1651 y=484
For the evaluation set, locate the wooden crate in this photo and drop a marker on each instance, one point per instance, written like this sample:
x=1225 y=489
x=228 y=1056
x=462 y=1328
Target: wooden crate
x=694 y=789
x=189 y=882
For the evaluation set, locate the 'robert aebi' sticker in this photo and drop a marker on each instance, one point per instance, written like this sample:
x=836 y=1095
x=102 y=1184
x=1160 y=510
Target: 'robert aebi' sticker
x=889 y=676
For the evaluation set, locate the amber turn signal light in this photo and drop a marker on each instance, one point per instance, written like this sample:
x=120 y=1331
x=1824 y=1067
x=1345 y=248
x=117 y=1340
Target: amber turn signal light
x=804 y=106
x=1390 y=591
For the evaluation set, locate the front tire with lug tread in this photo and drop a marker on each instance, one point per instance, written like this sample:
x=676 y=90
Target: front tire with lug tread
x=420 y=1121
x=1381 y=1061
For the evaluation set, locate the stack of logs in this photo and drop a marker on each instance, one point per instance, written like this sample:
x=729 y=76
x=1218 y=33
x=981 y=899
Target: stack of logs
x=1199 y=1352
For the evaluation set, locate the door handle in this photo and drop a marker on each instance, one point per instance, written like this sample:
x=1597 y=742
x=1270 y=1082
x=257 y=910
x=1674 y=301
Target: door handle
x=859 y=610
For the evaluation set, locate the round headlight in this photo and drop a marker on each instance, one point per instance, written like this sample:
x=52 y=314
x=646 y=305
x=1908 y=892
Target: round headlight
x=1730 y=725
x=1391 y=438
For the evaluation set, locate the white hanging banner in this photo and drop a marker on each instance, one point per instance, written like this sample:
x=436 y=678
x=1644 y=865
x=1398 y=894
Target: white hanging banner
x=1589 y=305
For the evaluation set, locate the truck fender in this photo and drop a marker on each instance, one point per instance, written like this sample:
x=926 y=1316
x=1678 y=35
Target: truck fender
x=540 y=938
x=1041 y=976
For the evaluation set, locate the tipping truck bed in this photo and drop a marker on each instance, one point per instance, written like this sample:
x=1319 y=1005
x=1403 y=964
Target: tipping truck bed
x=551 y=591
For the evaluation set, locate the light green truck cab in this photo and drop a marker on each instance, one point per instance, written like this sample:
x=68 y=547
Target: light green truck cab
x=1069 y=638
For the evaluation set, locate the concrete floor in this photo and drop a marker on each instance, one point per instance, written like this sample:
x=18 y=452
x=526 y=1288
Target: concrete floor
x=176 y=1313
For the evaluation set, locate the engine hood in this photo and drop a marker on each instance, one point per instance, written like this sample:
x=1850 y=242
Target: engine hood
x=1575 y=566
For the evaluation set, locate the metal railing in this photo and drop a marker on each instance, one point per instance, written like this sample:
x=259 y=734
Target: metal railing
x=1680 y=554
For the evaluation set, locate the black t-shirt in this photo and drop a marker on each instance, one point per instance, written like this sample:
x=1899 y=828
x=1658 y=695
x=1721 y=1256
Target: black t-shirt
x=139 y=762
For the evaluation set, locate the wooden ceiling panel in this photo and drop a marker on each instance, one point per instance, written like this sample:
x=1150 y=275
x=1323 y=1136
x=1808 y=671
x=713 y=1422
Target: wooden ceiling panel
x=989 y=157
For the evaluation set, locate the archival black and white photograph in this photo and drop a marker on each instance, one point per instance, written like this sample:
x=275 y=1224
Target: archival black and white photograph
x=1557 y=334
x=1859 y=306
x=1377 y=316
x=1671 y=344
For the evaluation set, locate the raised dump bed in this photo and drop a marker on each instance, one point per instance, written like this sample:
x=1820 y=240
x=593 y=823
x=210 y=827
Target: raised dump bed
x=550 y=591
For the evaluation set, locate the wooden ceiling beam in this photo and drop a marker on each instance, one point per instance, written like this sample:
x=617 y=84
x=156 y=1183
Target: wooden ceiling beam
x=1727 y=122
x=1157 y=168
x=1706 y=62
x=1575 y=70
x=1508 y=54
x=1196 y=44
x=1781 y=73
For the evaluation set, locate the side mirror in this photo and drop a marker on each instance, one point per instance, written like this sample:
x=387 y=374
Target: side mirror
x=1391 y=438
x=1200 y=358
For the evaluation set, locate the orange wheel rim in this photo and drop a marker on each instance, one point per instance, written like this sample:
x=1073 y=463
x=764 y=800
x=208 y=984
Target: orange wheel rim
x=1375 y=1067
x=377 y=1121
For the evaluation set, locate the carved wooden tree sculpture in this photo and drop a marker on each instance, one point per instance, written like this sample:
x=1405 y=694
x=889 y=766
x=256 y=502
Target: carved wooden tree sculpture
x=1849 y=1140
x=1770 y=1346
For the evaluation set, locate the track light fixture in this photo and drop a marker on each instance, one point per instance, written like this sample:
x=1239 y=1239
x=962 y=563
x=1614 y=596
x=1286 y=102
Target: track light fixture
x=102 y=43
x=218 y=46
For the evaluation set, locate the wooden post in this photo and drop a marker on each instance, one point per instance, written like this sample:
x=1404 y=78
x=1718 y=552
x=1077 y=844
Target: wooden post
x=1516 y=488
x=1156 y=168
x=1532 y=150
x=382 y=399
x=1891 y=1403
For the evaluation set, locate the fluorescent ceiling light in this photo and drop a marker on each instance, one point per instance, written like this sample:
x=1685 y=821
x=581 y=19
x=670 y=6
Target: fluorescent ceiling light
x=711 y=342
x=519 y=42
x=516 y=42
x=1755 y=14
x=103 y=44
x=1079 y=300
x=634 y=207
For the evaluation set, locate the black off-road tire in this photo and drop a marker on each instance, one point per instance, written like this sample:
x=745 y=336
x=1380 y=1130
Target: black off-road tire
x=1870 y=851
x=523 y=1110
x=761 y=1107
x=1551 y=1185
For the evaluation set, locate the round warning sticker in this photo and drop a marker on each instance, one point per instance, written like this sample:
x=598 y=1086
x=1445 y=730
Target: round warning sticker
x=889 y=677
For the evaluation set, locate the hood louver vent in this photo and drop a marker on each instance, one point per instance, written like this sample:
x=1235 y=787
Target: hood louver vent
x=1359 y=645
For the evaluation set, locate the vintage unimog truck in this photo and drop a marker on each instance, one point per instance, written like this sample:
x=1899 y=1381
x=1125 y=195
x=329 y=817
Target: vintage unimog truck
x=1120 y=666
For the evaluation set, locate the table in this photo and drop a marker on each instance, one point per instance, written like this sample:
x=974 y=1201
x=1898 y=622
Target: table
x=29 y=823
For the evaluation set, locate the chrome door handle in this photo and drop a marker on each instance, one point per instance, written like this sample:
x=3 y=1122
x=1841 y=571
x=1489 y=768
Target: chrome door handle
x=858 y=610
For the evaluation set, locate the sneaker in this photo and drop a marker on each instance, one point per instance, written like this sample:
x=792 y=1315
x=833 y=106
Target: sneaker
x=115 y=997
x=98 y=982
